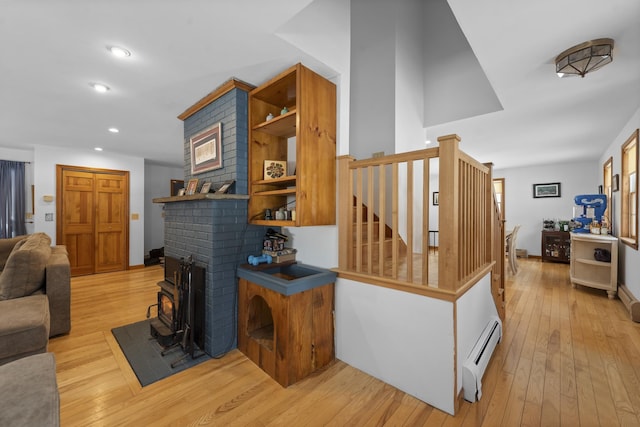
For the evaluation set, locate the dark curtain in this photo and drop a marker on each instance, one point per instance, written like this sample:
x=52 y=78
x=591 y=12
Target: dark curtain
x=12 y=195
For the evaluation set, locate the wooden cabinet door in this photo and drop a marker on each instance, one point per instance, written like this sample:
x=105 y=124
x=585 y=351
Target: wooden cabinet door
x=93 y=213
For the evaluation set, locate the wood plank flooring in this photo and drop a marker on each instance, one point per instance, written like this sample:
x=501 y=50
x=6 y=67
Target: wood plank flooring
x=569 y=357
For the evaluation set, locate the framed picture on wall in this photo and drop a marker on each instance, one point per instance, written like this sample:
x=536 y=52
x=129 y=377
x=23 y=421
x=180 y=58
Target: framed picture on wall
x=206 y=150
x=615 y=183
x=546 y=190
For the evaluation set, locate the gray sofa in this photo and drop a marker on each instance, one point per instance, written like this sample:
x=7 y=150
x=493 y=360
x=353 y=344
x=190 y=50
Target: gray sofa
x=35 y=301
x=29 y=392
x=35 y=304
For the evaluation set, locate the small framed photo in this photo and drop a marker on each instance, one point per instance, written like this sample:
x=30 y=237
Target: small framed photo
x=206 y=187
x=275 y=169
x=192 y=186
x=225 y=187
x=181 y=192
x=206 y=150
x=615 y=183
x=546 y=190
x=176 y=185
x=436 y=201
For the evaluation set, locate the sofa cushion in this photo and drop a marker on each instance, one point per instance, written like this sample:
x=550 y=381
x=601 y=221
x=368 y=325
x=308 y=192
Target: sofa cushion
x=24 y=271
x=24 y=327
x=29 y=392
x=6 y=246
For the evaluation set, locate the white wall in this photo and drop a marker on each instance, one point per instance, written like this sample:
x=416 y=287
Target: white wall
x=157 y=180
x=474 y=310
x=46 y=159
x=628 y=258
x=403 y=339
x=521 y=208
x=318 y=246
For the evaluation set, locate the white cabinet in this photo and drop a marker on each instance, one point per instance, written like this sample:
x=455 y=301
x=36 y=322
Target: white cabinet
x=586 y=270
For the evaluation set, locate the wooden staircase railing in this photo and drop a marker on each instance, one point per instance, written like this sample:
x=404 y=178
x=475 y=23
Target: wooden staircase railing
x=392 y=196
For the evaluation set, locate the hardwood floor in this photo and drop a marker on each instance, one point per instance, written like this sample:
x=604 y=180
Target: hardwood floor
x=569 y=357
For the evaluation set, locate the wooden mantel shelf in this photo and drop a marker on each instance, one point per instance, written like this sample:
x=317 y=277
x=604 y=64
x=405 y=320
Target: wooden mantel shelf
x=200 y=196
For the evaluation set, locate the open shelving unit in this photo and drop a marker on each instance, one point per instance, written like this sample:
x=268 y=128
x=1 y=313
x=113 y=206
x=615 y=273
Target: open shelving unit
x=304 y=137
x=586 y=270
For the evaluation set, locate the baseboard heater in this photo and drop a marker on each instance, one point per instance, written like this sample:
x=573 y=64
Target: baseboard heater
x=477 y=361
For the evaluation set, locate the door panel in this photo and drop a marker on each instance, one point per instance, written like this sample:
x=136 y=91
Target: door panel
x=111 y=217
x=78 y=220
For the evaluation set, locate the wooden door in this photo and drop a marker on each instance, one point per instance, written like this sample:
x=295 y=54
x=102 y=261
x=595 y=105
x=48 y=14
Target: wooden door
x=111 y=220
x=93 y=214
x=77 y=219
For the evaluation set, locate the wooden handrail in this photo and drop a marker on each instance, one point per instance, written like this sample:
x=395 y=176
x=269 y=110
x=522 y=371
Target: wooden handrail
x=388 y=187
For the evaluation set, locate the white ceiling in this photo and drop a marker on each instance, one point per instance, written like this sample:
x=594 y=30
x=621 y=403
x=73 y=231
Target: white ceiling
x=182 y=50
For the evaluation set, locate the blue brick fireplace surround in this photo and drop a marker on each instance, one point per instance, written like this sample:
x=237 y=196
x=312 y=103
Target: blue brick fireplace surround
x=215 y=229
x=216 y=233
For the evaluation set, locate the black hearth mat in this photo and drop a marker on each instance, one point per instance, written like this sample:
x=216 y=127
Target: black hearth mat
x=144 y=353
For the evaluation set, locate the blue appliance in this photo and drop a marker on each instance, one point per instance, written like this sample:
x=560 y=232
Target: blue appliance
x=592 y=207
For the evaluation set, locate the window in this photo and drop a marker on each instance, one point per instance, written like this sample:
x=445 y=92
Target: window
x=629 y=190
x=607 y=179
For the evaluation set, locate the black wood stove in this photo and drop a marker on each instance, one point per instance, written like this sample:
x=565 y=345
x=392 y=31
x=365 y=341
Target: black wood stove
x=180 y=306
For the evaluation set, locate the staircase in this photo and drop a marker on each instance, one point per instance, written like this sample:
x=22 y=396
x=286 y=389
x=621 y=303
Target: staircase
x=375 y=241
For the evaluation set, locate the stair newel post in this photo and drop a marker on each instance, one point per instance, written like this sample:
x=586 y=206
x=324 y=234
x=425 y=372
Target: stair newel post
x=345 y=212
x=449 y=213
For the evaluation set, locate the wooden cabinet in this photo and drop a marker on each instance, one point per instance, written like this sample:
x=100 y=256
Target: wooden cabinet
x=304 y=137
x=556 y=246
x=586 y=270
x=288 y=337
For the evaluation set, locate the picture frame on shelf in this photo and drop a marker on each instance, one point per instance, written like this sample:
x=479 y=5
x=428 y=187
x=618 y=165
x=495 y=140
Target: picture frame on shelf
x=206 y=150
x=176 y=185
x=225 y=187
x=551 y=189
x=206 y=187
x=436 y=198
x=274 y=169
x=181 y=192
x=192 y=186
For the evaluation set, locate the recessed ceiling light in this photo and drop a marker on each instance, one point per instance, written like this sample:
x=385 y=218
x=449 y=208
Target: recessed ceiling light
x=427 y=142
x=119 y=52
x=98 y=148
x=114 y=130
x=99 y=87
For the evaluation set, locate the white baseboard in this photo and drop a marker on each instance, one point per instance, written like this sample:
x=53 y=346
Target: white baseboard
x=629 y=301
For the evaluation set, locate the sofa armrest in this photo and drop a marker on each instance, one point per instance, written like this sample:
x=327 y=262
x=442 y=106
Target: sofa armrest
x=58 y=290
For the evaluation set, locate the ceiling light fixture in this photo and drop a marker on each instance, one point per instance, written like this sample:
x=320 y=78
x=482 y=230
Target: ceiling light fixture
x=99 y=87
x=114 y=130
x=98 y=148
x=119 y=52
x=584 y=58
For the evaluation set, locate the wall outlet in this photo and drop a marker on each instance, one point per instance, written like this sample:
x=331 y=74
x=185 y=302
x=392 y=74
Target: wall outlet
x=48 y=217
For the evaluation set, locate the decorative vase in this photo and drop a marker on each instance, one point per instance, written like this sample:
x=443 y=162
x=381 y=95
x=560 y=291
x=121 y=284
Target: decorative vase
x=269 y=116
x=285 y=110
